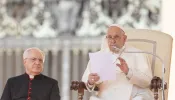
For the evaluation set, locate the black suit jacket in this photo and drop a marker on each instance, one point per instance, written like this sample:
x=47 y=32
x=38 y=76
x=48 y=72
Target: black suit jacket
x=42 y=88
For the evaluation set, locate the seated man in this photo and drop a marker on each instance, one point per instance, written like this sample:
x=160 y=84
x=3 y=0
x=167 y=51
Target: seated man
x=31 y=85
x=133 y=71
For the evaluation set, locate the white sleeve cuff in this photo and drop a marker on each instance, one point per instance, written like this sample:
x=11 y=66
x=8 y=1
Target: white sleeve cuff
x=130 y=74
x=89 y=87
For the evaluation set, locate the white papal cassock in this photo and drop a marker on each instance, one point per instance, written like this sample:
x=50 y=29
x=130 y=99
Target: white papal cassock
x=133 y=86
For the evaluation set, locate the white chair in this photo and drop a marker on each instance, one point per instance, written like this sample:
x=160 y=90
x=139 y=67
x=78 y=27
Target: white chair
x=155 y=42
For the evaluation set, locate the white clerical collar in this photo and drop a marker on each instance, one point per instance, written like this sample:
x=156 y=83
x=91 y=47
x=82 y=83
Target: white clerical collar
x=31 y=76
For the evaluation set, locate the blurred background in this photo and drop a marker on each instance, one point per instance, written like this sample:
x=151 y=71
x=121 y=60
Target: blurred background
x=66 y=30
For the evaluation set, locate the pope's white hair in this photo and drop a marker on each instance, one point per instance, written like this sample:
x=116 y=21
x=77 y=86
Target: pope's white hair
x=27 y=52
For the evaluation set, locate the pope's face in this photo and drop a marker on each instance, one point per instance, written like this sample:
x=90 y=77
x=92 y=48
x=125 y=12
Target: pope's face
x=115 y=37
x=34 y=62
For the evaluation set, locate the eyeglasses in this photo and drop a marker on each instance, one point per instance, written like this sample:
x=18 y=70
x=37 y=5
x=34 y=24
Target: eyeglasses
x=35 y=59
x=113 y=38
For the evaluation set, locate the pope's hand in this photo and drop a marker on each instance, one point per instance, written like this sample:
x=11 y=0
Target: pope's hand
x=93 y=77
x=123 y=65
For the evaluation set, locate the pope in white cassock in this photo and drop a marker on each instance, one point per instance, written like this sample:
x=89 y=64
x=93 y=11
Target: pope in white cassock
x=133 y=71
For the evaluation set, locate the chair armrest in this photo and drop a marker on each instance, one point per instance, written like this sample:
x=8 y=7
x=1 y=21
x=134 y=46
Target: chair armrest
x=156 y=84
x=75 y=85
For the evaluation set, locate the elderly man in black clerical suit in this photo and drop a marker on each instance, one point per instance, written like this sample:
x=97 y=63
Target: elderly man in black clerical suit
x=32 y=85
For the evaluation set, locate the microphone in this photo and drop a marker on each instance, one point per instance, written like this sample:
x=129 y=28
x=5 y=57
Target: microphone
x=150 y=53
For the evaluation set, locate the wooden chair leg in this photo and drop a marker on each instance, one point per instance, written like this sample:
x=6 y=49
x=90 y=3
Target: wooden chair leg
x=81 y=89
x=80 y=94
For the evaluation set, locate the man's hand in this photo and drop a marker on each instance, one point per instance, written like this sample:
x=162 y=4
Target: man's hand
x=93 y=77
x=123 y=65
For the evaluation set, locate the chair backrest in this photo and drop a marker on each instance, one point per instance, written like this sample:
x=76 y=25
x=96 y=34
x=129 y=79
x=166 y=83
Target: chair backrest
x=156 y=42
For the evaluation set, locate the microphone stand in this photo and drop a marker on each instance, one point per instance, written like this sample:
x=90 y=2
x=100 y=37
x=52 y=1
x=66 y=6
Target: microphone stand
x=156 y=85
x=163 y=68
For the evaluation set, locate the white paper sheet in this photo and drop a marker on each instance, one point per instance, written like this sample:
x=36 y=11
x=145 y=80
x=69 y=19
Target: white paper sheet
x=102 y=63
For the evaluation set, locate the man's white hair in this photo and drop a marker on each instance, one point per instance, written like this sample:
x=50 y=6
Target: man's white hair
x=27 y=51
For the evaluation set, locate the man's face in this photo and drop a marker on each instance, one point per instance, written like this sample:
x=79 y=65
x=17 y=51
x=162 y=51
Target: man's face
x=115 y=37
x=34 y=62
